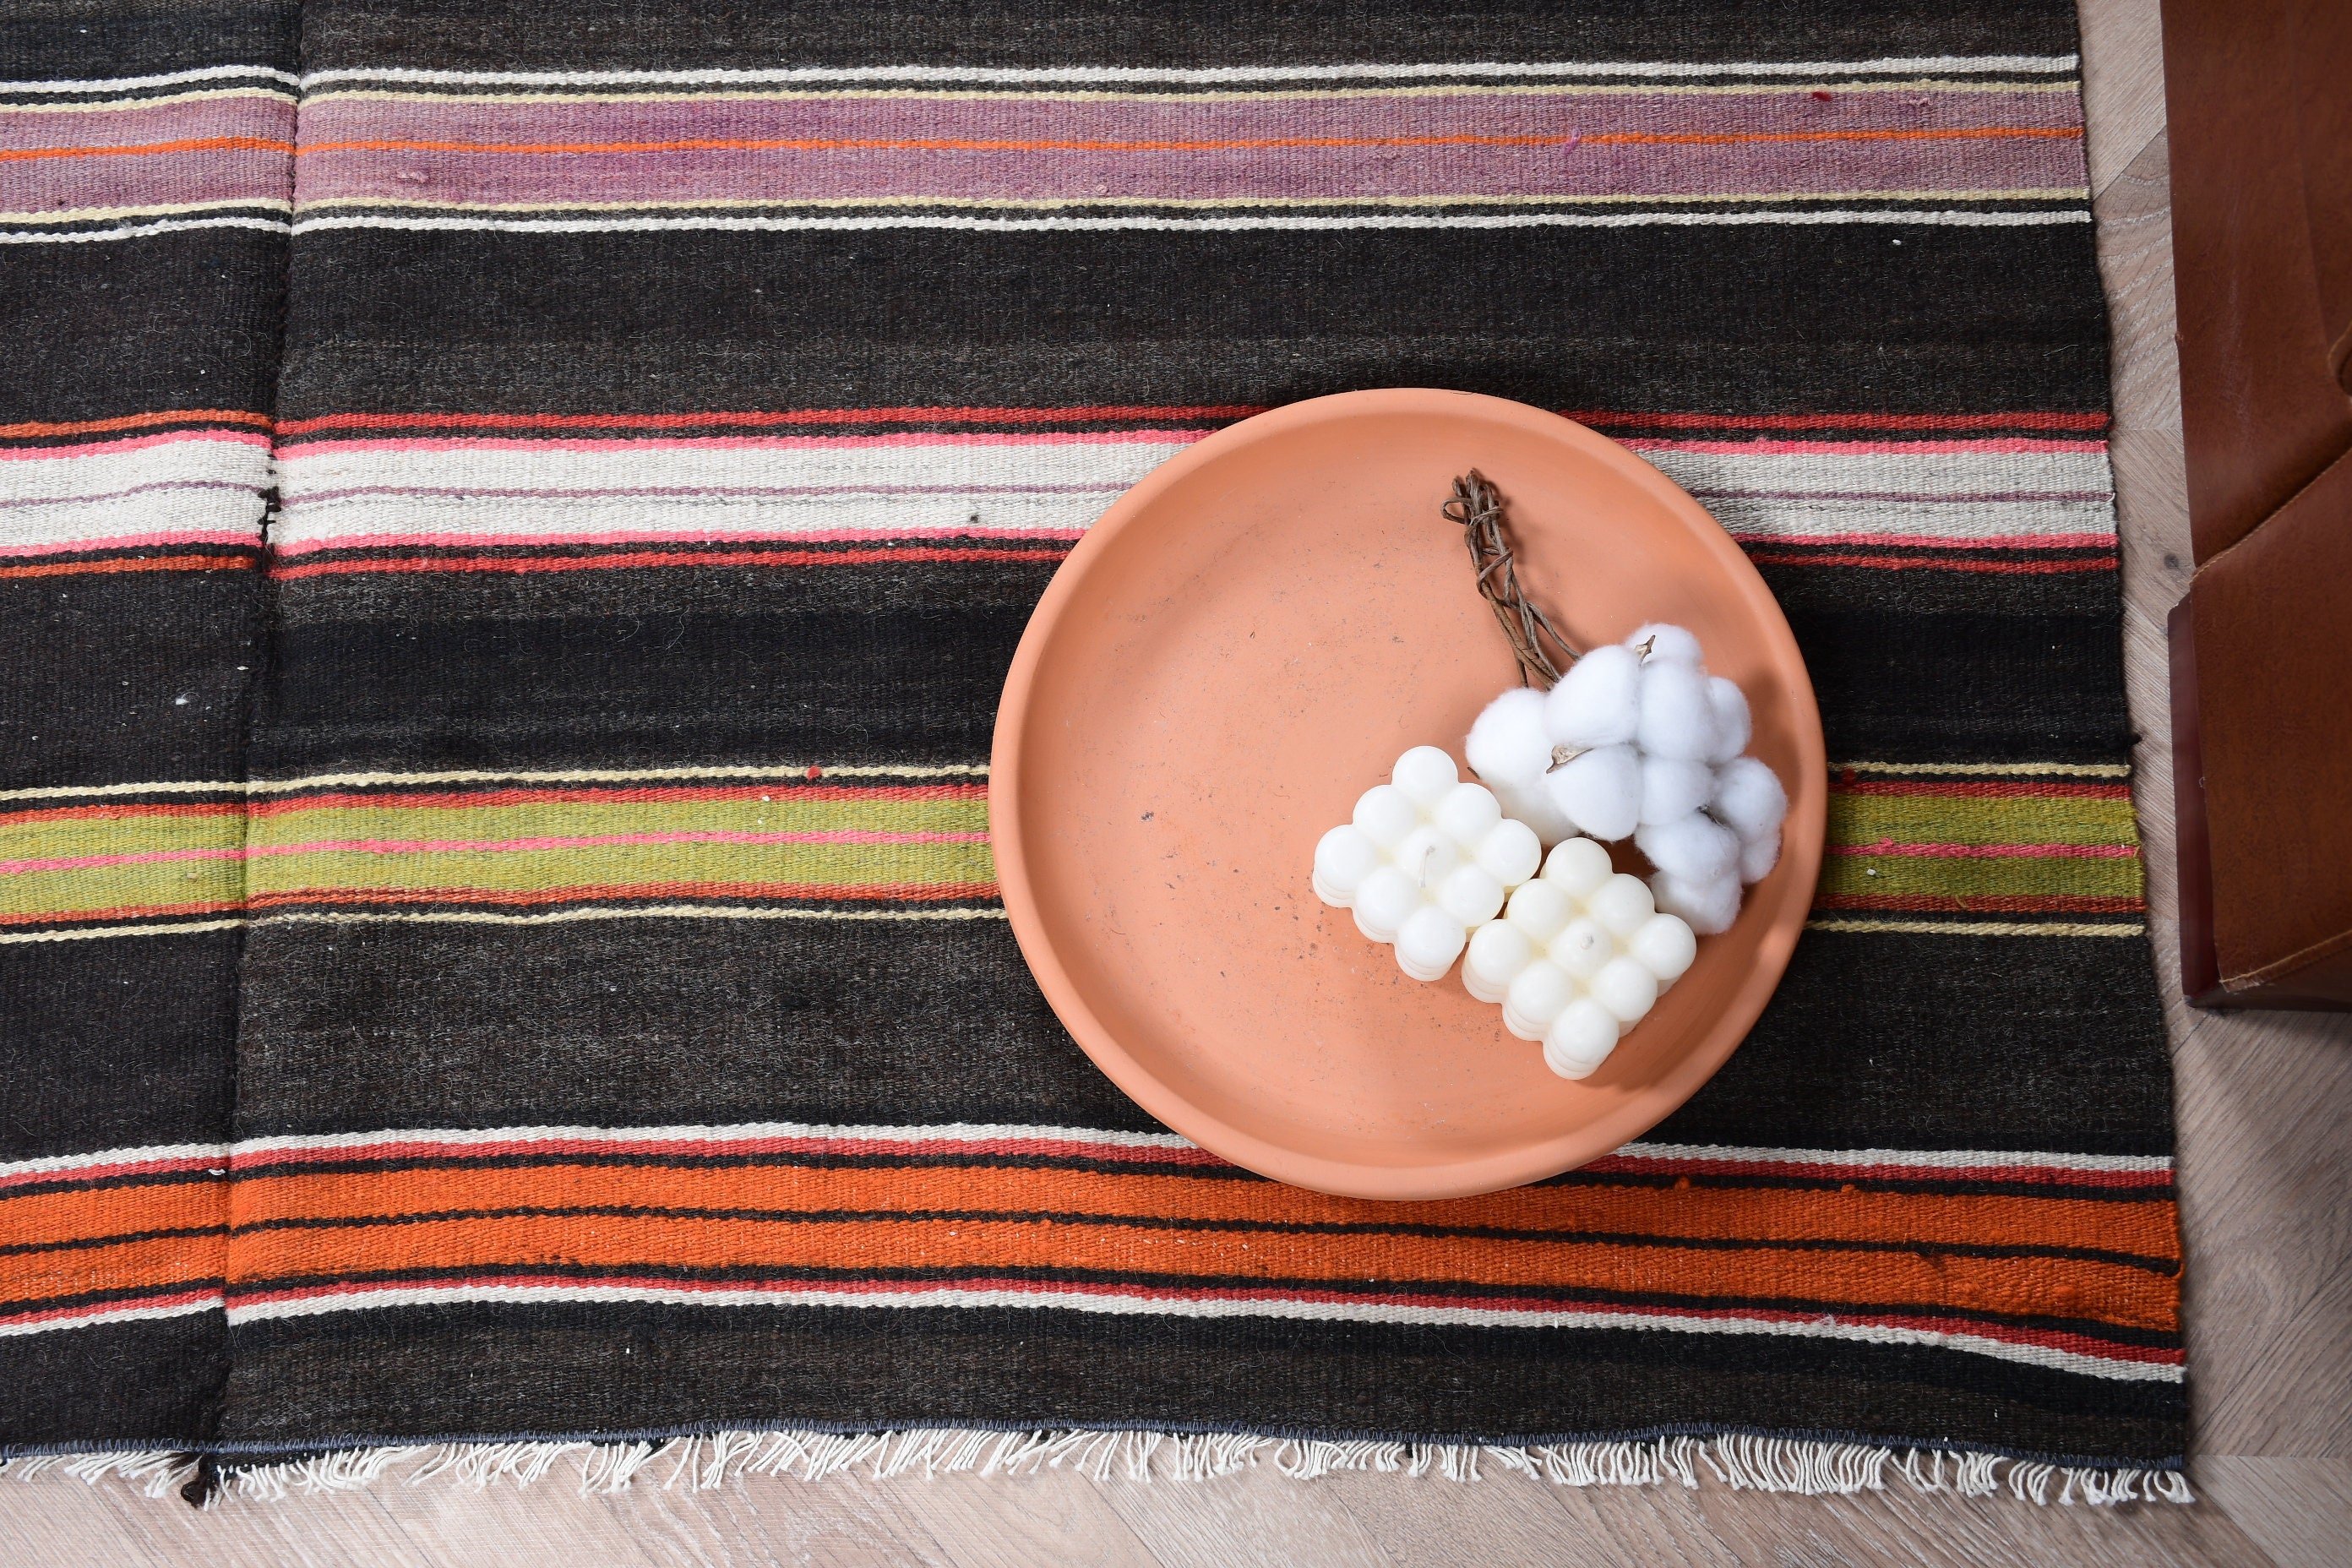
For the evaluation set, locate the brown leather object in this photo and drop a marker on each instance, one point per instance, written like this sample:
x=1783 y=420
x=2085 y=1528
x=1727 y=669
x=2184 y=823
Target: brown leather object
x=2259 y=100
x=2272 y=620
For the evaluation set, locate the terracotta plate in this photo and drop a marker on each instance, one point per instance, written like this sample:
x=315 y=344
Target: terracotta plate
x=1240 y=646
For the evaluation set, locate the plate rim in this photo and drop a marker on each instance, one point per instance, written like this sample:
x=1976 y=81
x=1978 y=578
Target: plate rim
x=1461 y=1178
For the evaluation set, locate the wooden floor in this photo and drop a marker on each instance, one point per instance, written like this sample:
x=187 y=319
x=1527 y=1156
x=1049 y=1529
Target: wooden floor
x=2266 y=1184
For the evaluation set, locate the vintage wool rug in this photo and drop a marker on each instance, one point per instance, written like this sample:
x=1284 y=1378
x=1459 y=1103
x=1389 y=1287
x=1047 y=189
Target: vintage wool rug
x=513 y=520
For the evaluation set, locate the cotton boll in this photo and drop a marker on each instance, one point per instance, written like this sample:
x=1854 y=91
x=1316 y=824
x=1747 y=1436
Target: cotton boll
x=1625 y=987
x=1343 y=858
x=1509 y=745
x=1600 y=792
x=1748 y=799
x=1665 y=946
x=1532 y=805
x=1465 y=812
x=1386 y=814
x=1385 y=902
x=1696 y=847
x=1497 y=951
x=1672 y=788
x=1708 y=906
x=1537 y=996
x=1594 y=705
x=1678 y=720
x=1620 y=904
x=1732 y=723
x=1758 y=855
x=1578 y=866
x=1509 y=852
x=1429 y=941
x=1424 y=774
x=1669 y=645
x=1470 y=895
x=1581 y=1038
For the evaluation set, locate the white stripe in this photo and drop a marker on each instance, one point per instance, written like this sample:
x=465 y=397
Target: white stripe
x=166 y=79
x=1948 y=219
x=1205 y=76
x=795 y=771
x=140 y=230
x=99 y=1315
x=1954 y=1160
x=215 y=483
x=1107 y=1304
x=148 y=1154
x=341 y=493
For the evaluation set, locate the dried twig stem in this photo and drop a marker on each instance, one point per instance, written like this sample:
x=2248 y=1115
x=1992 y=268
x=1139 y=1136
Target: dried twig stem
x=1541 y=651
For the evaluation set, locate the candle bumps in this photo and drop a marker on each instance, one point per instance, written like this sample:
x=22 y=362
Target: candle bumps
x=1426 y=860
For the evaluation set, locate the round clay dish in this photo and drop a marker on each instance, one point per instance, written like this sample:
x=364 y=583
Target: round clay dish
x=1241 y=645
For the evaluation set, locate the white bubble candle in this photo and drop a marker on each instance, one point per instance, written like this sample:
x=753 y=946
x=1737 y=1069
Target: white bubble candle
x=1426 y=860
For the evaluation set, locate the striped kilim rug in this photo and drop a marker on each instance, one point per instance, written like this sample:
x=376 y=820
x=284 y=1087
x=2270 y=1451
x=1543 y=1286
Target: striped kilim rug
x=513 y=520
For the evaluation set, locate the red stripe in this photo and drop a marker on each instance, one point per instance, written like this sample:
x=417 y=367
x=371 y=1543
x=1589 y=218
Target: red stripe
x=526 y=564
x=83 y=1175
x=232 y=558
x=2022 y=421
x=2037 y=1175
x=1764 y=557
x=122 y=912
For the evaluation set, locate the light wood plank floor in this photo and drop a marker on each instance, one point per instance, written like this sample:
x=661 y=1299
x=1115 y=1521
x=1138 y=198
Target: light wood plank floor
x=2266 y=1170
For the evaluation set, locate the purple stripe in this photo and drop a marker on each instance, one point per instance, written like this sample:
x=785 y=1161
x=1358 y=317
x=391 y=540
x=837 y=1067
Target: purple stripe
x=272 y=118
x=712 y=492
x=66 y=183
x=95 y=496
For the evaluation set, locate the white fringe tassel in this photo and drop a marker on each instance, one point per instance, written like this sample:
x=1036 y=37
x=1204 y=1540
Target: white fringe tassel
x=694 y=1464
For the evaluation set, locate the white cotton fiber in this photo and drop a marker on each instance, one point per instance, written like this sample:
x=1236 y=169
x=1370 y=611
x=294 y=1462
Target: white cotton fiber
x=1671 y=788
x=1708 y=906
x=1677 y=719
x=1531 y=804
x=1695 y=848
x=1594 y=703
x=1732 y=725
x=1748 y=799
x=1670 y=645
x=1600 y=792
x=1758 y=855
x=1509 y=744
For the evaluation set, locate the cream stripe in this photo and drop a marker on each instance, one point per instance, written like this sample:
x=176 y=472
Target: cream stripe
x=1954 y=219
x=1975 y=927
x=86 y=933
x=1137 y=1305
x=203 y=95
x=1210 y=76
x=1936 y=1159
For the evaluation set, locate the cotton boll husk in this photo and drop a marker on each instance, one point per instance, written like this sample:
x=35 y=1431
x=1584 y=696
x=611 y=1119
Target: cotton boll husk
x=1732 y=724
x=1600 y=792
x=1425 y=774
x=1672 y=788
x=1509 y=745
x=1670 y=644
x=1748 y=799
x=1696 y=847
x=1532 y=805
x=1708 y=908
x=1594 y=703
x=1758 y=855
x=1678 y=720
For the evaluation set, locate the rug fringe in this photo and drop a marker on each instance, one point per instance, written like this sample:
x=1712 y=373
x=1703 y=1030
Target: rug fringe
x=1812 y=1468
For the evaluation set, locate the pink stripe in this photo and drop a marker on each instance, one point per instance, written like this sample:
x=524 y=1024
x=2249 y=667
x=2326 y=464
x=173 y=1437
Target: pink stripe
x=138 y=540
x=626 y=536
x=1993 y=851
x=137 y=443
x=752 y=443
x=482 y=846
x=186 y=1164
x=1834 y=448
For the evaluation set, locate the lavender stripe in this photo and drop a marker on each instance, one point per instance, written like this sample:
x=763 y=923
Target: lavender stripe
x=97 y=496
x=63 y=185
x=696 y=492
x=270 y=117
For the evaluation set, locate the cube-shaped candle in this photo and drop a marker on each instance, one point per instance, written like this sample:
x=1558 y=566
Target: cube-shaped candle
x=1426 y=860
x=1579 y=957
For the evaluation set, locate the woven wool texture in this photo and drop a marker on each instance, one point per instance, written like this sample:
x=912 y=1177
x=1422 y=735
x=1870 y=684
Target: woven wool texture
x=512 y=522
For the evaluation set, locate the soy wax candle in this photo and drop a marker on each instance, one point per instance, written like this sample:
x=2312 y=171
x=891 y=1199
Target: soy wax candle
x=1426 y=860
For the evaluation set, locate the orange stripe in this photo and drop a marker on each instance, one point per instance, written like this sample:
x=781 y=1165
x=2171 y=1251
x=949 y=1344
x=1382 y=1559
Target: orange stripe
x=146 y=149
x=242 y=557
x=52 y=1217
x=962 y=144
x=37 y=428
x=120 y=912
x=124 y=1266
x=2095 y=1291
x=2144 y=1227
x=116 y=813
